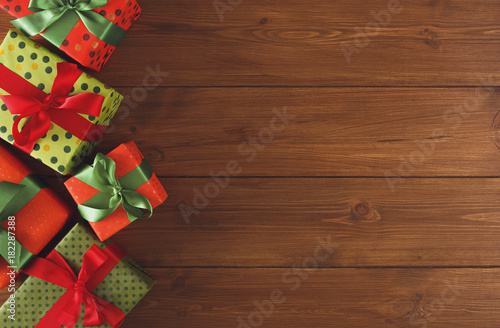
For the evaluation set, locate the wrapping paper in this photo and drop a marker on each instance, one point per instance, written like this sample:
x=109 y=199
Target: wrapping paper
x=124 y=286
x=127 y=157
x=40 y=220
x=80 y=44
x=58 y=149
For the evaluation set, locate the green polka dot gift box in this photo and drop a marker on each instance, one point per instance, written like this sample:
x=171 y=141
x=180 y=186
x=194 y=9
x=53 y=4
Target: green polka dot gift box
x=49 y=108
x=101 y=295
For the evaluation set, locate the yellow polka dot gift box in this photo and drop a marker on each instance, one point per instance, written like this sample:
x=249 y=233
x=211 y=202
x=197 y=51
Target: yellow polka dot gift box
x=49 y=108
x=79 y=270
x=31 y=214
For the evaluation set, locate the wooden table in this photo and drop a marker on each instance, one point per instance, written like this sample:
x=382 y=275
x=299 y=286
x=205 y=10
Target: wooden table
x=328 y=163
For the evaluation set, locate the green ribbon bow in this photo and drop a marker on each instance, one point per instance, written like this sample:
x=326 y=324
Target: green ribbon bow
x=114 y=192
x=13 y=197
x=58 y=17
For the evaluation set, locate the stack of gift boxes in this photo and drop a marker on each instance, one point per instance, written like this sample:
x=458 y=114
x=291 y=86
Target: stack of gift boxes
x=51 y=110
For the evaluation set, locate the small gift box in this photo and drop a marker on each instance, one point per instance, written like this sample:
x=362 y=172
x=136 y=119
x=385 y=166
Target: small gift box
x=116 y=190
x=49 y=108
x=80 y=270
x=87 y=30
x=30 y=213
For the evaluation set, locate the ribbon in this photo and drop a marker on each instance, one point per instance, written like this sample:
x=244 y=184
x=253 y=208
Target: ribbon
x=58 y=17
x=22 y=255
x=13 y=198
x=28 y=101
x=114 y=192
x=96 y=265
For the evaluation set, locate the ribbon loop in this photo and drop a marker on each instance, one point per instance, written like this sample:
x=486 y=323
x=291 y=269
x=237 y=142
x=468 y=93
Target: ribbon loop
x=58 y=17
x=114 y=192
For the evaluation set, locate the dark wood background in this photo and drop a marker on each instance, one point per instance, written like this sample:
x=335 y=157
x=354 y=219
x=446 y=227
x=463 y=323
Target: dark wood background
x=416 y=109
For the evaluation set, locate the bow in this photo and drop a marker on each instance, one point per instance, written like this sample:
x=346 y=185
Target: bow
x=96 y=264
x=28 y=101
x=58 y=17
x=113 y=191
x=13 y=198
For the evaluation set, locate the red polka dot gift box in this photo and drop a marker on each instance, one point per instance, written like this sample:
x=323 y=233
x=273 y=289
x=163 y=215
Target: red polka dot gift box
x=49 y=108
x=117 y=189
x=87 y=30
x=31 y=214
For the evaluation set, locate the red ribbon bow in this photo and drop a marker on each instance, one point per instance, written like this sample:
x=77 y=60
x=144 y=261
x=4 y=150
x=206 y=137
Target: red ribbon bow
x=96 y=265
x=28 y=101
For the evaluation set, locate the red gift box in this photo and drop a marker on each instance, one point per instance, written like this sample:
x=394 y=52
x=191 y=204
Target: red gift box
x=81 y=44
x=127 y=157
x=39 y=220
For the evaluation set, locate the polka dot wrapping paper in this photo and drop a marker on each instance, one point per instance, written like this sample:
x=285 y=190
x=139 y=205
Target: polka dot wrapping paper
x=124 y=286
x=38 y=221
x=58 y=149
x=126 y=157
x=80 y=44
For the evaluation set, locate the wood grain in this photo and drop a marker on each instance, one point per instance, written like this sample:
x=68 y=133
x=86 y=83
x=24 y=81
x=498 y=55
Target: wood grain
x=410 y=132
x=326 y=298
x=297 y=43
x=334 y=132
x=262 y=222
x=204 y=297
x=277 y=222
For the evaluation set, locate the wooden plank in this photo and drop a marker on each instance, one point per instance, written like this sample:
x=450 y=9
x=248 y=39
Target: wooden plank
x=408 y=132
x=296 y=43
x=192 y=298
x=329 y=298
x=334 y=132
x=277 y=222
x=262 y=222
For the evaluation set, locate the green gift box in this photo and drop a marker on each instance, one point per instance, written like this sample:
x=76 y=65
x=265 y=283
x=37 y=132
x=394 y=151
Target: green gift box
x=33 y=66
x=124 y=286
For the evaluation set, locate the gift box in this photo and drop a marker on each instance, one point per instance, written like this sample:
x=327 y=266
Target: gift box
x=48 y=107
x=86 y=32
x=79 y=270
x=36 y=214
x=116 y=190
